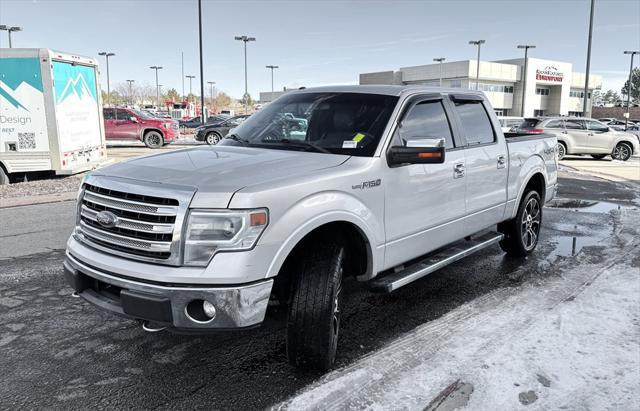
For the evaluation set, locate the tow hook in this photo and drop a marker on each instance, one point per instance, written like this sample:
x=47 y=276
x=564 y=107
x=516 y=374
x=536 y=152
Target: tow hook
x=146 y=326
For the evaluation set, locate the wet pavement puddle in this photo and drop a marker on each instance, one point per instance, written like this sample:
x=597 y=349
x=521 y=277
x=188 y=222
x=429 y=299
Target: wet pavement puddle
x=586 y=205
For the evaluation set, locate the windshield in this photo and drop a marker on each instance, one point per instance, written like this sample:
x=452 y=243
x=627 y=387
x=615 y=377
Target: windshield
x=337 y=123
x=143 y=115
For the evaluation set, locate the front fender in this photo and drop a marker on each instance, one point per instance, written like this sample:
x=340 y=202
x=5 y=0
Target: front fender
x=317 y=210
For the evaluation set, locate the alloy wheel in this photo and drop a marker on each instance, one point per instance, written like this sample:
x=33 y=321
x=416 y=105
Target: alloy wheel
x=530 y=224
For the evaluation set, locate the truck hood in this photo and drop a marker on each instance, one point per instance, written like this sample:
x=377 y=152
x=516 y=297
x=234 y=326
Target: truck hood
x=216 y=173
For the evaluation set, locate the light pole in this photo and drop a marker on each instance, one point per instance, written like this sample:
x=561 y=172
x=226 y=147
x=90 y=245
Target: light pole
x=272 y=68
x=245 y=40
x=9 y=30
x=586 y=77
x=201 y=62
x=477 y=43
x=190 y=77
x=526 y=48
x=156 y=68
x=626 y=120
x=106 y=56
x=211 y=83
x=440 y=60
x=131 y=91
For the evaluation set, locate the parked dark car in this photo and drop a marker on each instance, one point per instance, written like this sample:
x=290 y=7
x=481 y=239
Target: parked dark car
x=213 y=133
x=197 y=122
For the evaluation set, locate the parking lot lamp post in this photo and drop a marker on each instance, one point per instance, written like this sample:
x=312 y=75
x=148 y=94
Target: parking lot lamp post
x=440 y=60
x=190 y=77
x=106 y=56
x=526 y=48
x=9 y=30
x=211 y=83
x=131 y=91
x=477 y=43
x=156 y=68
x=245 y=40
x=626 y=120
x=586 y=76
x=272 y=68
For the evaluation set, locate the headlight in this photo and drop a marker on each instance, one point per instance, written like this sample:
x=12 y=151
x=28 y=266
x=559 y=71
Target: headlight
x=210 y=231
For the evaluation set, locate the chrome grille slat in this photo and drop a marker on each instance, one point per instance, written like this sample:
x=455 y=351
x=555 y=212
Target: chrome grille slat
x=129 y=223
x=136 y=244
x=129 y=205
x=145 y=226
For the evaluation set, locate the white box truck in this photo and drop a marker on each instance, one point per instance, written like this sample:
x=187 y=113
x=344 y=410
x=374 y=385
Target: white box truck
x=50 y=113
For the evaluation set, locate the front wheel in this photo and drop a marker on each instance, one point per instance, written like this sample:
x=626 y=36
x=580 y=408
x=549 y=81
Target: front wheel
x=153 y=139
x=622 y=152
x=521 y=234
x=313 y=322
x=212 y=138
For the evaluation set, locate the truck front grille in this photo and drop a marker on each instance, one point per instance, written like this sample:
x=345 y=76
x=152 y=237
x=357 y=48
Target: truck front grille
x=144 y=226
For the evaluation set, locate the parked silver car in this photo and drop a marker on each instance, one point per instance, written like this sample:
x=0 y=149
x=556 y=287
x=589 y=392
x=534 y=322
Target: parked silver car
x=584 y=136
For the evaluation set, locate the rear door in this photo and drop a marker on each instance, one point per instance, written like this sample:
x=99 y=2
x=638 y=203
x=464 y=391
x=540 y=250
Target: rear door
x=109 y=115
x=578 y=135
x=486 y=164
x=424 y=202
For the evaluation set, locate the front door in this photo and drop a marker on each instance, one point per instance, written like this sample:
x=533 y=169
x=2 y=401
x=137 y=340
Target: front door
x=599 y=138
x=126 y=128
x=486 y=166
x=424 y=203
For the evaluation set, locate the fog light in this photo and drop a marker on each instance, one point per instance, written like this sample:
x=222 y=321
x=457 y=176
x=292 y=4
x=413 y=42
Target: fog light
x=209 y=309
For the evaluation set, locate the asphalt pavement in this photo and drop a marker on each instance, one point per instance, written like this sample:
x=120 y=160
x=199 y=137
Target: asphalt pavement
x=60 y=352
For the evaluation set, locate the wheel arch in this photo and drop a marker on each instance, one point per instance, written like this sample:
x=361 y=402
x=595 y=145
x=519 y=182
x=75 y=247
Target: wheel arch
x=145 y=130
x=534 y=179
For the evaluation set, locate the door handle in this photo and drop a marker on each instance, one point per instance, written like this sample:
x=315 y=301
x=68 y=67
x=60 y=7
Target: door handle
x=502 y=161
x=458 y=170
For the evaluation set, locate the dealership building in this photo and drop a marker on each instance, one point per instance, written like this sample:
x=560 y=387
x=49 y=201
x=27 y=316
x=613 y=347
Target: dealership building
x=549 y=87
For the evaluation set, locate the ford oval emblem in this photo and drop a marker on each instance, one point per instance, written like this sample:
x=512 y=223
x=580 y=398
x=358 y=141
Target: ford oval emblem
x=107 y=219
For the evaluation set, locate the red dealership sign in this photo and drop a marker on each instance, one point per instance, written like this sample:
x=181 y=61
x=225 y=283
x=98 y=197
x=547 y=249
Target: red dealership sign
x=549 y=73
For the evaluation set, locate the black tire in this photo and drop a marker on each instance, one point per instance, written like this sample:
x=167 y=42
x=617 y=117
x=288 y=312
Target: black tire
x=599 y=156
x=561 y=150
x=313 y=322
x=4 y=178
x=522 y=233
x=212 y=138
x=153 y=139
x=622 y=152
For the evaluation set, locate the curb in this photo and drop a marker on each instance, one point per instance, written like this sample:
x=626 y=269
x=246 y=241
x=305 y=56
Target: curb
x=38 y=199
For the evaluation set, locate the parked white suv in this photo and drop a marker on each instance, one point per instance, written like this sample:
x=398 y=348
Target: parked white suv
x=578 y=135
x=383 y=183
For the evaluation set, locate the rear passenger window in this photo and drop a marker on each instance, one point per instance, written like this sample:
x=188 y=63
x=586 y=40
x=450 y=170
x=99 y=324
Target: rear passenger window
x=476 y=125
x=573 y=125
x=425 y=120
x=554 y=124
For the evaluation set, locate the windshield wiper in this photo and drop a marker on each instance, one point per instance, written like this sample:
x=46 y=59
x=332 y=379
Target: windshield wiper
x=303 y=144
x=235 y=137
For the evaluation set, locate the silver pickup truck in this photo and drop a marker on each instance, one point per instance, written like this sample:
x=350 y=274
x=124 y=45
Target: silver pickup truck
x=383 y=183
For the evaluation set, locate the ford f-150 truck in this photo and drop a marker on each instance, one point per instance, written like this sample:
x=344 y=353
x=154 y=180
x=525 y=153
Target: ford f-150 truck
x=384 y=183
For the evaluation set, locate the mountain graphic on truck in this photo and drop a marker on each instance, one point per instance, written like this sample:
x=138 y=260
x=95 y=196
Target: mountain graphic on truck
x=76 y=86
x=20 y=82
x=11 y=99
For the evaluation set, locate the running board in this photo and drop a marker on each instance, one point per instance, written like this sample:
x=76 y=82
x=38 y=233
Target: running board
x=433 y=262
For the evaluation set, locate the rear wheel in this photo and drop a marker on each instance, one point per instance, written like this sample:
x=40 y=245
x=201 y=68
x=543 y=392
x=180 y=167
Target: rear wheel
x=599 y=156
x=313 y=322
x=521 y=233
x=622 y=152
x=153 y=139
x=212 y=138
x=561 y=151
x=4 y=178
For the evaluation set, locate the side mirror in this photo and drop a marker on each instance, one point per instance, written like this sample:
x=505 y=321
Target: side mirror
x=133 y=119
x=418 y=151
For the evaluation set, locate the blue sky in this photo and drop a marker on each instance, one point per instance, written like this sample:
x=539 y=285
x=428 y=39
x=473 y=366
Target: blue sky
x=320 y=42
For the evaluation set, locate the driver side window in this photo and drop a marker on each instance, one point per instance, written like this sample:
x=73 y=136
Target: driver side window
x=425 y=120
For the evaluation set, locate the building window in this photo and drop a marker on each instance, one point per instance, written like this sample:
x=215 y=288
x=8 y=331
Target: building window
x=494 y=88
x=580 y=94
x=538 y=113
x=455 y=83
x=575 y=114
x=501 y=111
x=542 y=91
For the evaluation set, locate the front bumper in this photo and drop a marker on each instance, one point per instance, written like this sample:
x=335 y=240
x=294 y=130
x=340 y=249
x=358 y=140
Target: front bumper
x=239 y=306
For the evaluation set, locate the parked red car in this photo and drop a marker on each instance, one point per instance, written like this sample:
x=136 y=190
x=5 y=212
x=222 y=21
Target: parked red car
x=129 y=124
